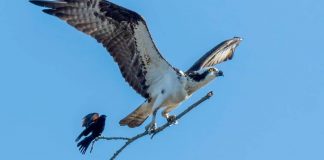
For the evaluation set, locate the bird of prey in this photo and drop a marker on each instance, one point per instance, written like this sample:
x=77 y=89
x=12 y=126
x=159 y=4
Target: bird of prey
x=93 y=124
x=126 y=37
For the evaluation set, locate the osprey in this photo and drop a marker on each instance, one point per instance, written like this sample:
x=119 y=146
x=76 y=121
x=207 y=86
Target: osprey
x=125 y=35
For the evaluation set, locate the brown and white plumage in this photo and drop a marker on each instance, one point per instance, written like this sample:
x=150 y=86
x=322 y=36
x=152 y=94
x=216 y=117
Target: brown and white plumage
x=221 y=53
x=122 y=32
x=125 y=35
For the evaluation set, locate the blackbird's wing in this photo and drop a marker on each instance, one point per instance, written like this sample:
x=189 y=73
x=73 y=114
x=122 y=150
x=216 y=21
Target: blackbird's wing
x=86 y=131
x=90 y=118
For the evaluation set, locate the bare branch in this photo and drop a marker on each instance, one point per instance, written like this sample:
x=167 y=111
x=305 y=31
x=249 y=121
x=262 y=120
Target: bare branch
x=113 y=138
x=158 y=130
x=108 y=139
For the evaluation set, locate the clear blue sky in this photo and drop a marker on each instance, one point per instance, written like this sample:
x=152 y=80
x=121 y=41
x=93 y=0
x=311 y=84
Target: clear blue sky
x=269 y=105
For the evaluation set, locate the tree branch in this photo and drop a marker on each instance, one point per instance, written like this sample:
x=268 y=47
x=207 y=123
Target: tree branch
x=158 y=130
x=108 y=139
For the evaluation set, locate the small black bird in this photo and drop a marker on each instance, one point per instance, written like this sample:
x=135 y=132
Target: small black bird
x=93 y=124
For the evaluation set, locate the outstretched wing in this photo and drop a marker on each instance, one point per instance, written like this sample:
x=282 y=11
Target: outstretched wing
x=86 y=131
x=122 y=32
x=222 y=52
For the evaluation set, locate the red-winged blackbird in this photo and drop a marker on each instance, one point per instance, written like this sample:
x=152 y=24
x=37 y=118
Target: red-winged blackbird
x=93 y=124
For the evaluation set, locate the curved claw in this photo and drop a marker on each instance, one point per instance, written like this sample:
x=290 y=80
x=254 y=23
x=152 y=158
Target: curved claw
x=151 y=127
x=172 y=120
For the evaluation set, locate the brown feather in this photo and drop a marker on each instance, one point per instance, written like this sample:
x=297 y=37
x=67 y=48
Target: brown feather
x=221 y=53
x=114 y=27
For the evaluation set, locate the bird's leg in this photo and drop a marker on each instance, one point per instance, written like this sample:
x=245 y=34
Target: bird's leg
x=170 y=118
x=152 y=126
x=157 y=104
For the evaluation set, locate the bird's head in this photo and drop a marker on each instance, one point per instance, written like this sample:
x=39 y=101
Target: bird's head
x=103 y=116
x=202 y=77
x=215 y=72
x=205 y=74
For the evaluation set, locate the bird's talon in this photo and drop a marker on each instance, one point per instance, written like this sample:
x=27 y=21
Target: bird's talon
x=172 y=119
x=151 y=128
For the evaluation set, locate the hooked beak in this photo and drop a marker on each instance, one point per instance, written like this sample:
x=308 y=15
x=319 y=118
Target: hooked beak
x=220 y=73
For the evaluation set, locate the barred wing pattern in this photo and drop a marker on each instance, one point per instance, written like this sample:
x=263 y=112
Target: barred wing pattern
x=221 y=53
x=121 y=31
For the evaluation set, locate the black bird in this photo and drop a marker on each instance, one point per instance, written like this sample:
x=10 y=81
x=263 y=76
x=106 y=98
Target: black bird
x=93 y=124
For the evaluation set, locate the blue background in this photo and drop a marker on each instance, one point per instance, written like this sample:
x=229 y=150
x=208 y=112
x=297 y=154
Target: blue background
x=269 y=105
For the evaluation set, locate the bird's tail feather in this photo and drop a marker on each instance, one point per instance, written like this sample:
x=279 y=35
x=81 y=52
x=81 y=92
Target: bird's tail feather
x=85 y=143
x=137 y=117
x=78 y=138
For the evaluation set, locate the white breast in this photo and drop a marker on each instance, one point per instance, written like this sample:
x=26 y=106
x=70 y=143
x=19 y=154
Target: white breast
x=175 y=92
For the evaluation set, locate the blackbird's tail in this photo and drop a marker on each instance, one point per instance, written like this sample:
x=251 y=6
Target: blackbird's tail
x=85 y=143
x=79 y=137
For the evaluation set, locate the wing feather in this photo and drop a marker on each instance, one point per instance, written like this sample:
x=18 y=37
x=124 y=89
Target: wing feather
x=222 y=52
x=89 y=119
x=121 y=31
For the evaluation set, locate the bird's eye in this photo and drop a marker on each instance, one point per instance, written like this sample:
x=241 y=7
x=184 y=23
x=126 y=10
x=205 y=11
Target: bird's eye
x=211 y=70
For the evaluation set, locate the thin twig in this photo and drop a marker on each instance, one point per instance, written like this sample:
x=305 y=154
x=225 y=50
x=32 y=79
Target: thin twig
x=128 y=143
x=114 y=138
x=108 y=139
x=158 y=130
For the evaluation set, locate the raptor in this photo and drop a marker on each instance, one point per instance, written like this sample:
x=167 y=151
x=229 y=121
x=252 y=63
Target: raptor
x=126 y=37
